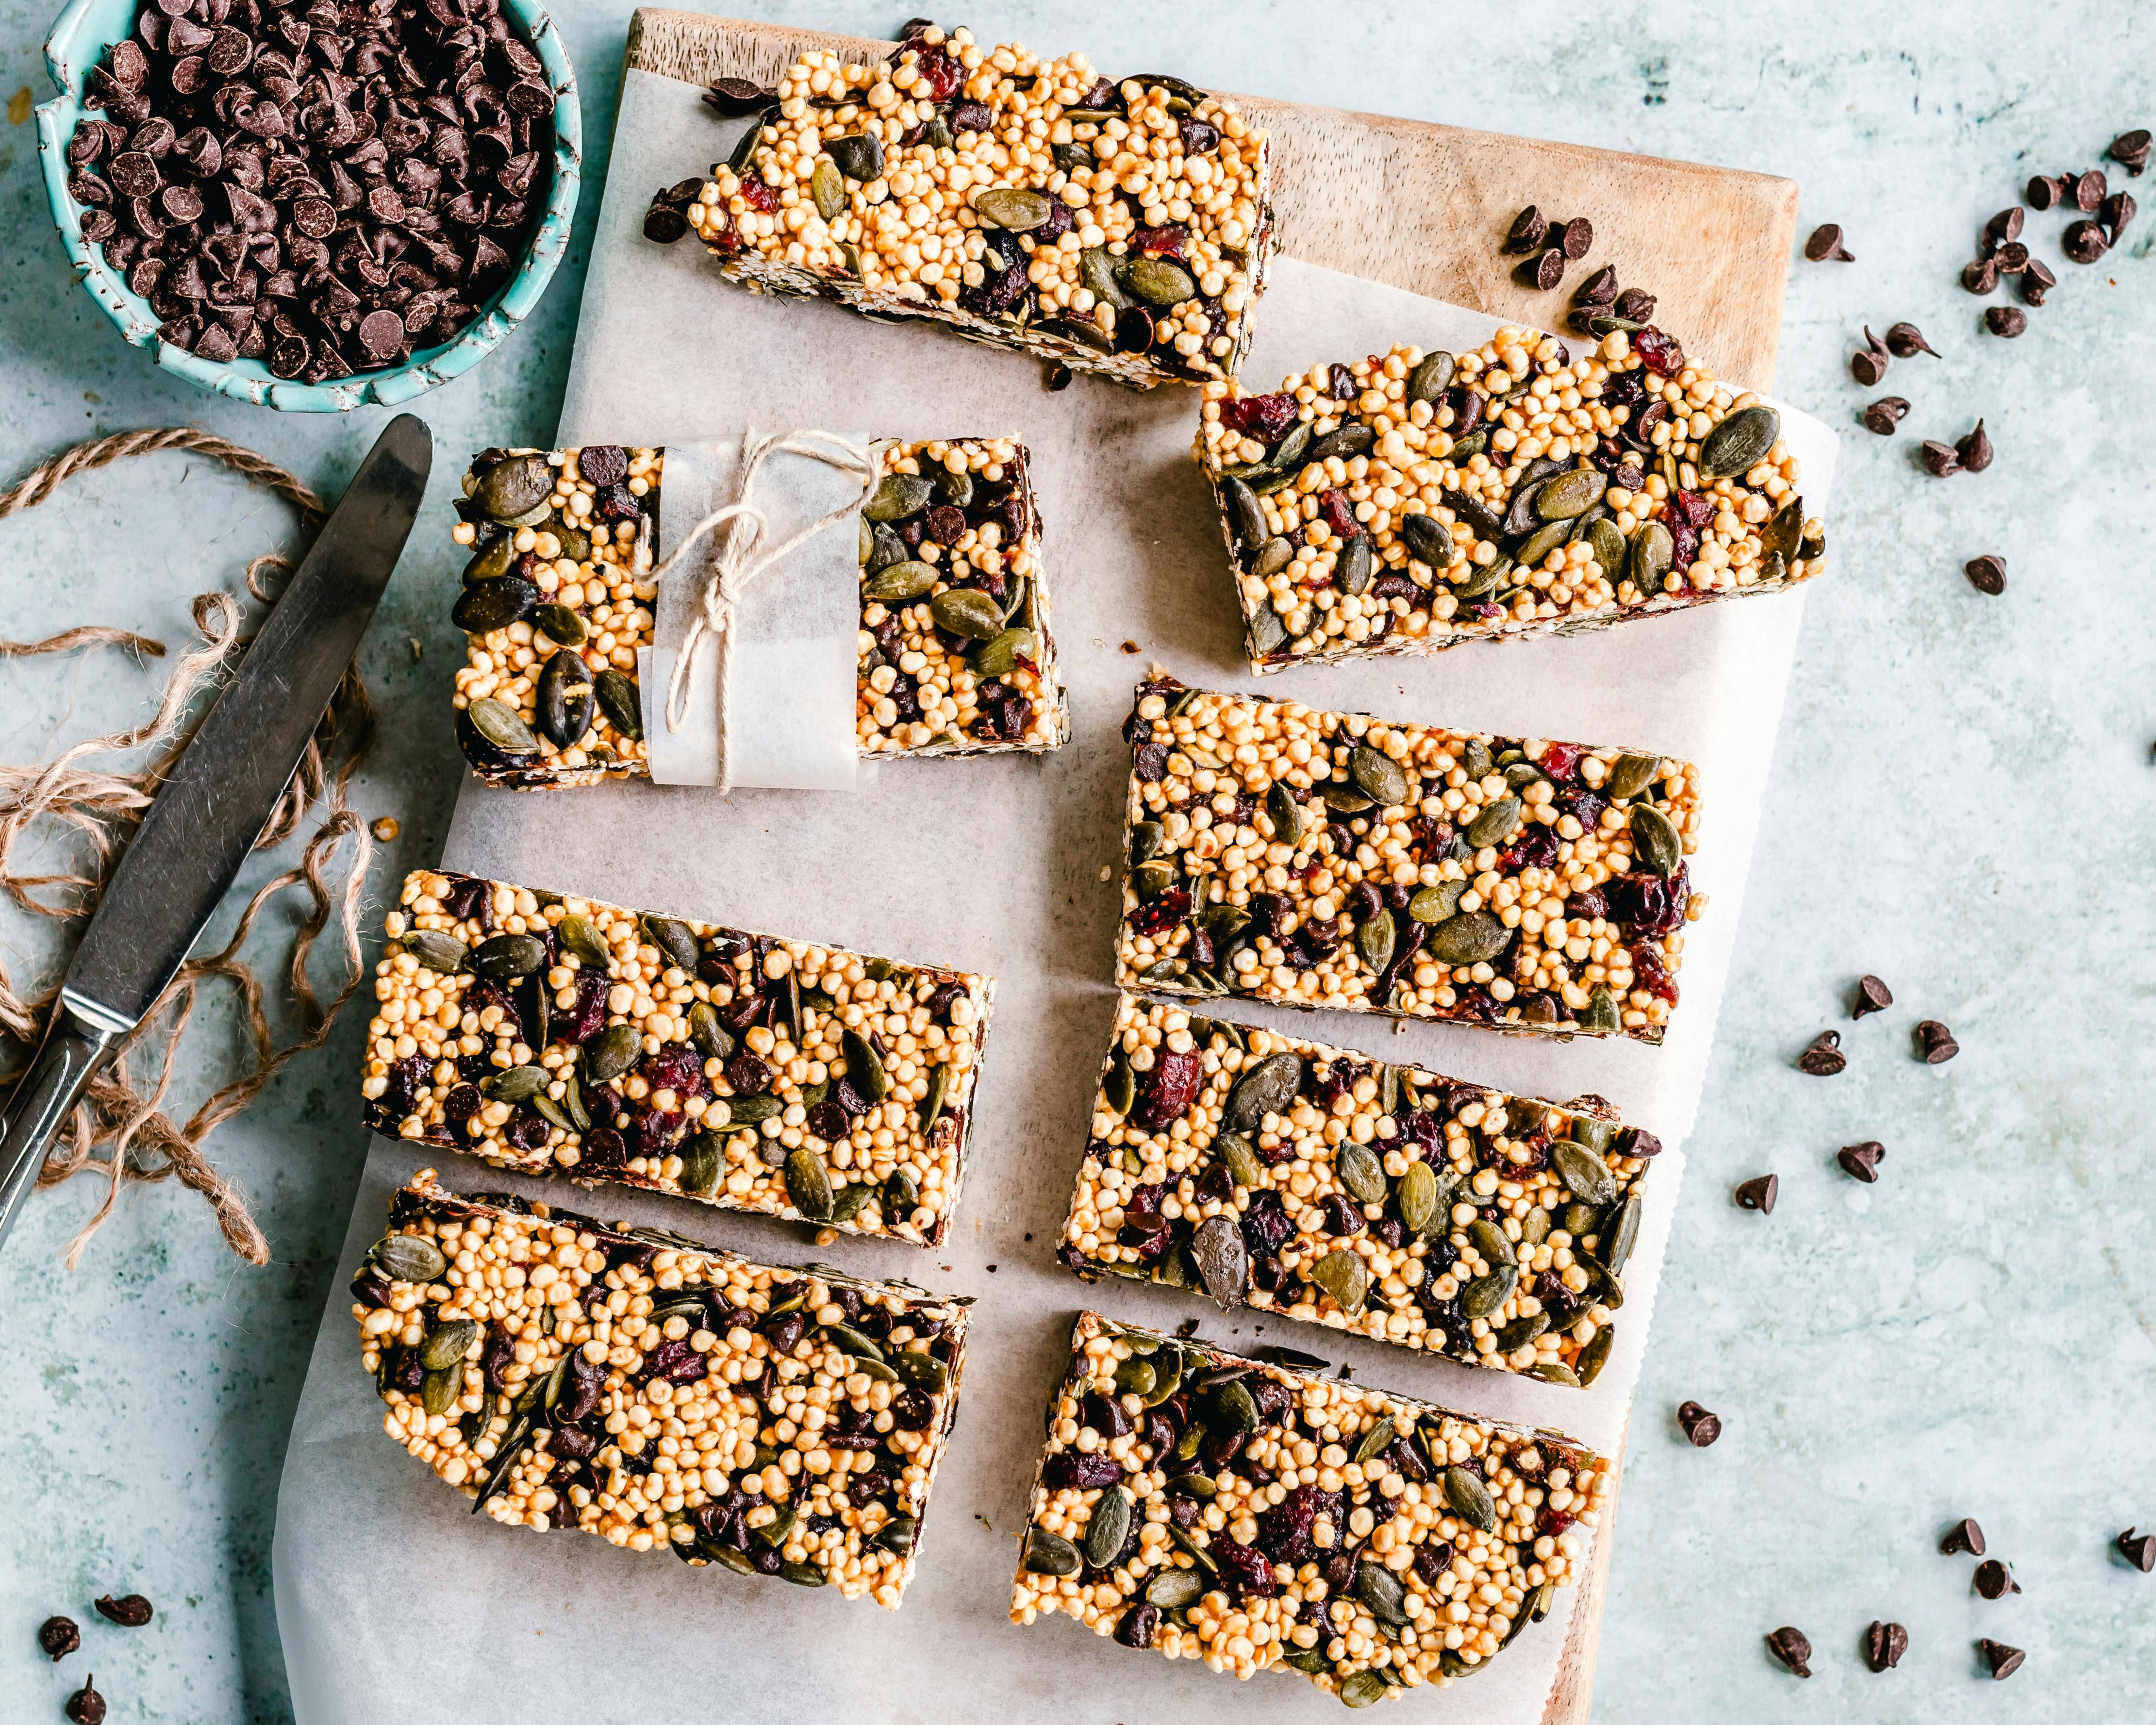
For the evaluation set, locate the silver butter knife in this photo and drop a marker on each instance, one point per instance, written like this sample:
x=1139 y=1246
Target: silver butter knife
x=214 y=804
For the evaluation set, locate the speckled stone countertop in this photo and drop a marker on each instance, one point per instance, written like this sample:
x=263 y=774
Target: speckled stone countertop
x=1963 y=803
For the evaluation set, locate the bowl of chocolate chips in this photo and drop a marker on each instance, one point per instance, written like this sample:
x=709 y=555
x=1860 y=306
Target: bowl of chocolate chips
x=311 y=204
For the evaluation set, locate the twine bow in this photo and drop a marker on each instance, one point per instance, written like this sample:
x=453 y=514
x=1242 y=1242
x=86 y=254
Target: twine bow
x=735 y=561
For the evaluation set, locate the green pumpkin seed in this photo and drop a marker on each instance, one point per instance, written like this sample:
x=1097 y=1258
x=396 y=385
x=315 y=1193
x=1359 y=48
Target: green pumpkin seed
x=864 y=1067
x=1377 y=1587
x=580 y=937
x=899 y=583
x=1593 y=1356
x=1472 y=937
x=1285 y=814
x=1134 y=1377
x=1433 y=905
x=619 y=700
x=519 y=1084
x=1539 y=544
x=1655 y=841
x=1607 y=545
x=1489 y=1240
x=1497 y=822
x=1470 y=1500
x=807 y=1186
x=1119 y=1085
x=1345 y=799
x=490 y=605
x=508 y=957
x=515 y=486
x=1487 y=1294
x=1428 y=541
x=1222 y=1258
x=1431 y=378
x=1361 y=1172
x=1013 y=207
x=442 y=953
x=1739 y=443
x=497 y=721
x=409 y=1257
x=1374 y=941
x=1273 y=557
x=562 y=625
x=1601 y=1018
x=923 y=1371
x=1624 y=1236
x=1363 y=1688
x=675 y=940
x=1235 y=1406
x=999 y=658
x=1351 y=570
x=1535 y=1226
x=1245 y=513
x=754 y=1111
x=1653 y=553
x=1157 y=281
x=1173 y=1590
x=1378 y=1438
x=851 y=1201
x=713 y=1040
x=1630 y=775
x=1382 y=779
x=447 y=1346
x=1522 y=1331
x=851 y=1341
x=612 y=1052
x=1598 y=1135
x=1266 y=1088
x=1046 y=1554
x=897 y=1534
x=1242 y=1162
x=1345 y=1277
x=1584 y=1173
x=1267 y=631
x=1554 y=1371
x=898 y=495
x=1418 y=1197
x=439 y=1390
x=932 y=1102
x=703 y=1161
x=492 y=563
x=1108 y=1528
x=1568 y=494
x=827 y=188
x=967 y=611
x=1097 y=270
x=859 y=157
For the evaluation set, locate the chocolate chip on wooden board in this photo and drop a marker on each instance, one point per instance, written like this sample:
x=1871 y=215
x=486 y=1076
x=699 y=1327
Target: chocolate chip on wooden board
x=321 y=190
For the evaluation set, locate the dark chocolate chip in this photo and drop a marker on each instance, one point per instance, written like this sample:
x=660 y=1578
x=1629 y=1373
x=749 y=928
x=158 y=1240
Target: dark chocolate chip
x=1528 y=229
x=1548 y=270
x=129 y=1611
x=2089 y=189
x=2139 y=1549
x=1974 y=449
x=2116 y=211
x=2036 y=281
x=1965 y=1536
x=58 y=1636
x=1935 y=1043
x=2084 y=242
x=1872 y=996
x=1055 y=377
x=1758 y=1194
x=2044 y=191
x=1577 y=238
x=1905 y=340
x=2130 y=151
x=1980 y=275
x=1884 y=1644
x=1790 y=1646
x=1995 y=1581
x=86 y=1707
x=2007 y=321
x=1861 y=1162
x=1599 y=289
x=1826 y=246
x=1939 y=458
x=1636 y=306
x=2004 y=1660
x=1823 y=1057
x=1986 y=574
x=2005 y=226
x=1700 y=1427
x=1883 y=415
x=1868 y=366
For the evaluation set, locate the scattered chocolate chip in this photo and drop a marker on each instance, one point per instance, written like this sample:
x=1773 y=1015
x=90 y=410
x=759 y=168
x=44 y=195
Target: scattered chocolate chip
x=733 y=98
x=1055 y=377
x=1963 y=1536
x=2005 y=226
x=1986 y=574
x=1905 y=340
x=1935 y=1043
x=1884 y=1644
x=2089 y=189
x=1636 y=306
x=86 y=1707
x=1975 y=449
x=2138 y=1549
x=1528 y=229
x=2130 y=151
x=1790 y=1646
x=1872 y=996
x=1883 y=415
x=1700 y=1426
x=1599 y=289
x=131 y=1611
x=1868 y=366
x=1995 y=1581
x=1939 y=458
x=2083 y=241
x=2044 y=191
x=2007 y=321
x=664 y=224
x=2004 y=1660
x=2115 y=212
x=1826 y=246
x=1759 y=1193
x=1861 y=1162
x=1980 y=275
x=1576 y=238
x=58 y=1636
x=2013 y=258
x=2037 y=281
x=1823 y=1057
x=1545 y=271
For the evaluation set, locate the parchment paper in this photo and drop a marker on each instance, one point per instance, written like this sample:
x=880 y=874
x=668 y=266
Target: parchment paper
x=991 y=864
x=790 y=685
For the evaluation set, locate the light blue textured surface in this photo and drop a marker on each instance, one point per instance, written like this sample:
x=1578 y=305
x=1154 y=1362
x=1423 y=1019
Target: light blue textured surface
x=1962 y=803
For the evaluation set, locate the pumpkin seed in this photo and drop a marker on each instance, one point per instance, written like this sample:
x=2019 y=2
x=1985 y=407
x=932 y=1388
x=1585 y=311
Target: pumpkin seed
x=1013 y=207
x=619 y=700
x=1584 y=1173
x=492 y=563
x=901 y=1193
x=1433 y=905
x=1171 y=1590
x=898 y=495
x=1157 y=281
x=1428 y=541
x=851 y=1341
x=999 y=658
x=1497 y=822
x=1108 y=1528
x=1097 y=270
x=1148 y=839
x=713 y=1040
x=563 y=698
x=1431 y=378
x=1535 y=1226
x=440 y=1389
x=1629 y=777
x=489 y=605
x=612 y=1052
x=1653 y=553
x=1383 y=780
x=1470 y=1500
x=1489 y=1240
x=1285 y=814
x=675 y=940
x=1487 y=1294
x=1655 y=841
x=850 y=1202
x=1607 y=545
x=1379 y=1437
x=808 y=1185
x=562 y=625
x=1267 y=632
x=1522 y=1331
x=447 y=1346
x=859 y=157
x=1568 y=494
x=1243 y=1165
x=508 y=957
x=1223 y=1259
x=514 y=486
x=1046 y=1554
x=580 y=935
x=1345 y=1277
x=1377 y=1587
x=1593 y=1356
x=1624 y=1236
x=967 y=611
x=1739 y=443
x=703 y=1160
x=1418 y=1197
x=497 y=721
x=1361 y=1172
x=1472 y=937
x=409 y=1257
x=1601 y=1017
x=827 y=188
x=1244 y=512
x=1374 y=941
x=899 y=583
x=519 y=1084
x=1598 y=1135
x=864 y=1067
x=1266 y=1088
x=1119 y=1086
x=1134 y=1377
x=1540 y=543
x=1363 y=1688
x=1235 y=1406
x=754 y=1111
x=443 y=953
x=1351 y=570
x=1345 y=799
x=1554 y=1371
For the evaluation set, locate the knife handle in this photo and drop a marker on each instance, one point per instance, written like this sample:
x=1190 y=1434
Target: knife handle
x=76 y=1044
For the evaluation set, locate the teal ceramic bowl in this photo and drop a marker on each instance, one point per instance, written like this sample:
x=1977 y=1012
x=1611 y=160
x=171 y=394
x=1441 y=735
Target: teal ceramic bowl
x=78 y=43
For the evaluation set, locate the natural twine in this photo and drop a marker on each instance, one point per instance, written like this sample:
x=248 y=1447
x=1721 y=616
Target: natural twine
x=96 y=809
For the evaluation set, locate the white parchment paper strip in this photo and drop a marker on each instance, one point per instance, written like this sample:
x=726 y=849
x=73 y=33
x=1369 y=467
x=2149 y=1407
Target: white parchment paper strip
x=991 y=865
x=796 y=628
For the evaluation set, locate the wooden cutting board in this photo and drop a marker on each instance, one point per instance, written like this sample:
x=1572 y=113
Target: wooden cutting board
x=1425 y=208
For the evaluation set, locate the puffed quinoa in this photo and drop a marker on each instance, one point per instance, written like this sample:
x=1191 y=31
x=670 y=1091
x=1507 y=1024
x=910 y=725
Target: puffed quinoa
x=1259 y=1517
x=656 y=1392
x=1409 y=501
x=1119 y=227
x=1335 y=859
x=556 y=1034
x=1335 y=1188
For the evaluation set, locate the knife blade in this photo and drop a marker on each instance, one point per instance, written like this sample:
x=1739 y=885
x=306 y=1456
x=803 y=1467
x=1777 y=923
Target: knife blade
x=212 y=805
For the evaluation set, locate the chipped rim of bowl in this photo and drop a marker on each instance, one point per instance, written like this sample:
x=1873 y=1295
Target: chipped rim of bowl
x=80 y=36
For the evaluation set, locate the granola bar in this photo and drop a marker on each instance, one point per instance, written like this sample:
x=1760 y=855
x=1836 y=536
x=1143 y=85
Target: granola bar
x=1215 y=1507
x=1386 y=1200
x=637 y=1385
x=1407 y=502
x=554 y=1034
x=557 y=600
x=1117 y=226
x=1334 y=859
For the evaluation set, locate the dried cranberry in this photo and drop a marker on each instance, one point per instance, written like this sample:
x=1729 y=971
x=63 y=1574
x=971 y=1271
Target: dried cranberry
x=406 y=1371
x=1431 y=1561
x=1148 y=1236
x=1266 y=1226
x=1284 y=1530
x=1433 y=838
x=1624 y=390
x=1157 y=915
x=1169 y=1089
x=1658 y=353
x=1654 y=975
x=496 y=1358
x=1684 y=542
x=1243 y=1568
x=1167 y=242
x=1000 y=290
x=1583 y=807
x=972 y=116
x=657 y=1132
x=674 y=1067
x=604 y=1151
x=1149 y=762
x=1338 y=514
x=1081 y=1469
x=572 y=1444
x=1266 y=909
x=407 y=1077
x=1696 y=510
x=757 y=195
x=1554 y=1522
x=940 y=73
x=1536 y=849
x=582 y=1021
x=1104 y=1414
x=1264 y=416
x=676 y=1362
x=1560 y=758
